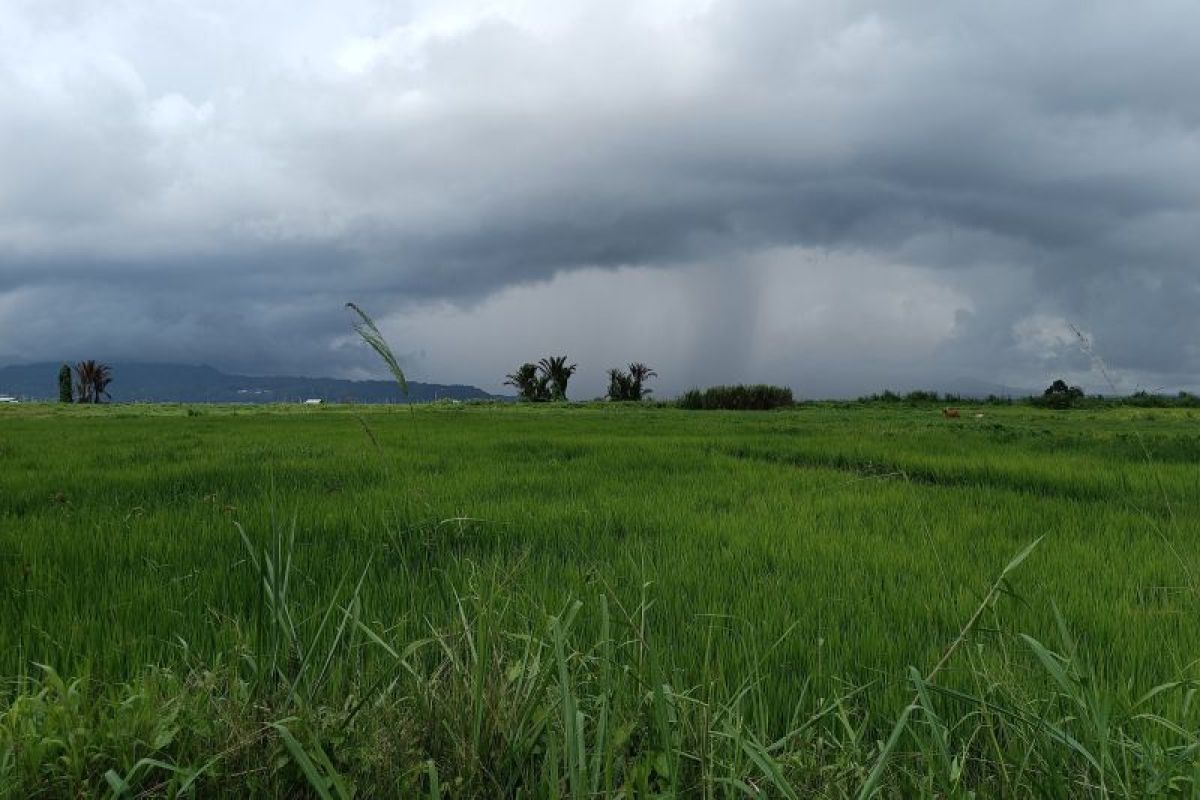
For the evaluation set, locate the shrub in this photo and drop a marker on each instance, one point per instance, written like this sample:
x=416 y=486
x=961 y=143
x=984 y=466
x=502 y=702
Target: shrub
x=65 y=387
x=1187 y=400
x=912 y=398
x=1145 y=399
x=759 y=397
x=1059 y=395
x=887 y=396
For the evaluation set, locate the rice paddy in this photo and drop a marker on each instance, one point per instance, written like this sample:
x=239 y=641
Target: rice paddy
x=595 y=600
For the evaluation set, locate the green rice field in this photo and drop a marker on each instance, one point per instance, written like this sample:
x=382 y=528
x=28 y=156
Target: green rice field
x=596 y=600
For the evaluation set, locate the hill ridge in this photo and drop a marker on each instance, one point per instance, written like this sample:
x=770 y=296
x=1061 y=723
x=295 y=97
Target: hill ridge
x=166 y=382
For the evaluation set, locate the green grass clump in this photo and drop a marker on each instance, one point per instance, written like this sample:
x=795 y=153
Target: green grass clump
x=488 y=600
x=759 y=397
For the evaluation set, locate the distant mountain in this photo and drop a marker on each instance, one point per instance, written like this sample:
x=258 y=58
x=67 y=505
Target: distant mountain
x=182 y=383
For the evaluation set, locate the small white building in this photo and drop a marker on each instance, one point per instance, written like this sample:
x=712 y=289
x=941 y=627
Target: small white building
x=4 y=398
x=313 y=401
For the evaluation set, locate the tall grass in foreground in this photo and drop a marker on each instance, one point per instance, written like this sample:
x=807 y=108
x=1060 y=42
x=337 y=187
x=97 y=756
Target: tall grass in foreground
x=506 y=697
x=504 y=704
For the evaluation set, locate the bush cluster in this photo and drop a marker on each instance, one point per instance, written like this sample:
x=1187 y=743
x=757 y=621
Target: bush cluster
x=928 y=397
x=917 y=397
x=630 y=386
x=1059 y=395
x=1148 y=400
x=759 y=397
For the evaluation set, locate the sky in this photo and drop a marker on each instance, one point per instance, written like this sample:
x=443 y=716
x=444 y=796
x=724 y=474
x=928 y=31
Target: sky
x=834 y=195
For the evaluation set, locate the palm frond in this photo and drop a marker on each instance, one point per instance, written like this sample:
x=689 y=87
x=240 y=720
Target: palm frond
x=641 y=371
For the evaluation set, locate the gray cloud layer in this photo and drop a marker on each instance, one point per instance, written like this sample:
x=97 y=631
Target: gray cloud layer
x=833 y=195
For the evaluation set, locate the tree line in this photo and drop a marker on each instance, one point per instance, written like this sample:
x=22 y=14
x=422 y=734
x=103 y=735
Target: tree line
x=1058 y=395
x=547 y=380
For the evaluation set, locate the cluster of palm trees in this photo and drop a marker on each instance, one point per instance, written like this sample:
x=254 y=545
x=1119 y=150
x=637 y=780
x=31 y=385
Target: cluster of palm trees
x=544 y=381
x=91 y=381
x=547 y=380
x=623 y=386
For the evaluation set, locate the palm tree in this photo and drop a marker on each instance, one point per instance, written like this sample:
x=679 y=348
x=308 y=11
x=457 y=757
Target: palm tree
x=624 y=386
x=620 y=385
x=557 y=372
x=639 y=373
x=83 y=381
x=529 y=384
x=522 y=380
x=102 y=378
x=92 y=380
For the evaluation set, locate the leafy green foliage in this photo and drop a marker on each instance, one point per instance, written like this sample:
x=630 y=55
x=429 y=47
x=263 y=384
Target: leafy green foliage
x=620 y=386
x=556 y=372
x=630 y=386
x=1059 y=395
x=924 y=397
x=531 y=385
x=544 y=381
x=759 y=397
x=65 y=389
x=1145 y=399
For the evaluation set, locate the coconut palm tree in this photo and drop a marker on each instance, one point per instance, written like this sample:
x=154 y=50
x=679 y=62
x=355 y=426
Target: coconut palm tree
x=91 y=381
x=529 y=384
x=522 y=380
x=558 y=373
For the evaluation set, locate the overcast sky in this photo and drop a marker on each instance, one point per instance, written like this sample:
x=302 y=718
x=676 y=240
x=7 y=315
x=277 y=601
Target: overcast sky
x=838 y=196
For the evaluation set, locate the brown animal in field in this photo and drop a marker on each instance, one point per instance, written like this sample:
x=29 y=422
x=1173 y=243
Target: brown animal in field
x=950 y=413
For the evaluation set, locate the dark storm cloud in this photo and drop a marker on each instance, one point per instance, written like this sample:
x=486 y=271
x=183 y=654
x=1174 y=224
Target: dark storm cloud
x=213 y=183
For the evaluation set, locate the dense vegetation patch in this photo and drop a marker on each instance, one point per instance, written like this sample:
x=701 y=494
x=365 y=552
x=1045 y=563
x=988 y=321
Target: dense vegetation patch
x=759 y=397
